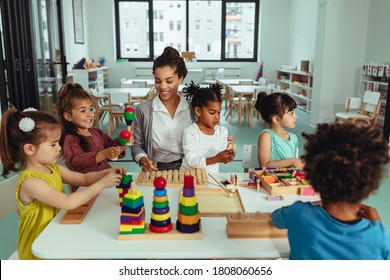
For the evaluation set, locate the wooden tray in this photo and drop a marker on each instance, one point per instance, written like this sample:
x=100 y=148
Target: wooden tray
x=77 y=215
x=252 y=225
x=174 y=234
x=216 y=203
x=278 y=188
x=174 y=177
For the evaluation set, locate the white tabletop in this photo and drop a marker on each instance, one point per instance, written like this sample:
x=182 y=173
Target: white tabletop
x=135 y=92
x=247 y=89
x=96 y=236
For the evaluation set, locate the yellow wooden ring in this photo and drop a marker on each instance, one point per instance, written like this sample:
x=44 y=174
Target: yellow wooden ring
x=188 y=201
x=188 y=220
x=161 y=217
x=160 y=198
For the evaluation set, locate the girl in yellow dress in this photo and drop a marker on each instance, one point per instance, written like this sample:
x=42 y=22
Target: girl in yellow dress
x=29 y=141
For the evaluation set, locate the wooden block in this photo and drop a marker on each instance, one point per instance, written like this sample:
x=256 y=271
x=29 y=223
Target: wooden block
x=76 y=216
x=252 y=225
x=174 y=234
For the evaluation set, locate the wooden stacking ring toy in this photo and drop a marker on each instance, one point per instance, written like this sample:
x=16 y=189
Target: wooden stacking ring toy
x=162 y=192
x=160 y=210
x=160 y=199
x=160 y=229
x=160 y=204
x=161 y=217
x=160 y=223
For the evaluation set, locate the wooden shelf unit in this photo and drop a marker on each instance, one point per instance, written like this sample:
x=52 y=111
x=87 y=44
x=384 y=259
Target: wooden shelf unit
x=299 y=85
x=375 y=80
x=95 y=78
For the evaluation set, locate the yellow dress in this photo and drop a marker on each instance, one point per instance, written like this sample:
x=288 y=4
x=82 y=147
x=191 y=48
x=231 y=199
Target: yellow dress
x=34 y=217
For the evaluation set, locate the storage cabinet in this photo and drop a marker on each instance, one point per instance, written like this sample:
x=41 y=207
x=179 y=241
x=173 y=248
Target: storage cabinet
x=96 y=78
x=299 y=85
x=375 y=78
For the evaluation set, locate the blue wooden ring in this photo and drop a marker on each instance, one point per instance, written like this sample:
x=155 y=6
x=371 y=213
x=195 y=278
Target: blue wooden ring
x=162 y=192
x=187 y=228
x=160 y=223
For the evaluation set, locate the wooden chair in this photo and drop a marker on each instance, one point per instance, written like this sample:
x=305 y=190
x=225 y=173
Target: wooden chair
x=116 y=105
x=8 y=202
x=361 y=111
x=233 y=103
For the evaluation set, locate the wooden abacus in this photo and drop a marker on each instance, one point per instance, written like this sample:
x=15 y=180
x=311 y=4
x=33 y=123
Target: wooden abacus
x=252 y=225
x=174 y=177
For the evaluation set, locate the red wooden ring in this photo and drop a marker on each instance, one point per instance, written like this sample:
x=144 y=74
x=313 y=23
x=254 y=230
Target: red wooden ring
x=160 y=229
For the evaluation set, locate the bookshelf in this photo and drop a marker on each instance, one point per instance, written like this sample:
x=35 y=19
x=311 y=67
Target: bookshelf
x=92 y=78
x=299 y=85
x=375 y=77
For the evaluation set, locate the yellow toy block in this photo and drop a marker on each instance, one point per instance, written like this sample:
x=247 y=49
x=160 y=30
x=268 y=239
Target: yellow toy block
x=134 y=196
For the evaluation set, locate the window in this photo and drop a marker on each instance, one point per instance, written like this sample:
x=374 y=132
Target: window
x=232 y=27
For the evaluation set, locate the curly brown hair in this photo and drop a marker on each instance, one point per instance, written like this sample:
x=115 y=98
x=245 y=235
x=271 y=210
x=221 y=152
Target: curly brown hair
x=171 y=57
x=344 y=162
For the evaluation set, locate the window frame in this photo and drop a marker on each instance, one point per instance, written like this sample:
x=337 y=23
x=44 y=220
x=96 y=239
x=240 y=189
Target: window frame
x=223 y=31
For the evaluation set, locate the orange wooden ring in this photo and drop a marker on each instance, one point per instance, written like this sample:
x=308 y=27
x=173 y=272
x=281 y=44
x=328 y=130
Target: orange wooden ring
x=188 y=220
x=160 y=198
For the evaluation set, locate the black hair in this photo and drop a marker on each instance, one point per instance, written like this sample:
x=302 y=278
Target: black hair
x=171 y=57
x=344 y=162
x=274 y=104
x=200 y=96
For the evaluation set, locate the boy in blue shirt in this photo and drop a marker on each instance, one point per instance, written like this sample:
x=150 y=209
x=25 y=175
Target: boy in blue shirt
x=344 y=164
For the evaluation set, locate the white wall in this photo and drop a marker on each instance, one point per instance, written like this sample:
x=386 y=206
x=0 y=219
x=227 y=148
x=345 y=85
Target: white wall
x=340 y=48
x=74 y=52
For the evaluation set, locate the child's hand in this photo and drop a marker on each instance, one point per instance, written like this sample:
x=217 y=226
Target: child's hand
x=226 y=156
x=368 y=213
x=110 y=180
x=298 y=163
x=118 y=170
x=112 y=152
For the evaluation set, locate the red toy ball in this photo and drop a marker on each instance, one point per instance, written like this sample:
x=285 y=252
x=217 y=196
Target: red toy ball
x=129 y=109
x=160 y=183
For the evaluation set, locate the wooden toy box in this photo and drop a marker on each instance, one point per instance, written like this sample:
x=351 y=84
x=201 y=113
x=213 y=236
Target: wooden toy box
x=283 y=181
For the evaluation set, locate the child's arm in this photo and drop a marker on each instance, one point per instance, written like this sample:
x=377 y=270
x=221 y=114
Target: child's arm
x=264 y=146
x=37 y=189
x=80 y=179
x=368 y=213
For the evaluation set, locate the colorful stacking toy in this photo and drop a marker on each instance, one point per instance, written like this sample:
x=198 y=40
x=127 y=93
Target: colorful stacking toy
x=188 y=217
x=132 y=219
x=124 y=187
x=160 y=221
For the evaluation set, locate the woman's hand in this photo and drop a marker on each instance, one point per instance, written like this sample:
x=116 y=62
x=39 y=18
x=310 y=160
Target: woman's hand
x=147 y=164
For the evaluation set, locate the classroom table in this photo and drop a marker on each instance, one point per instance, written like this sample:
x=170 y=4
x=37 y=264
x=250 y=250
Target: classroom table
x=242 y=91
x=96 y=236
x=136 y=93
x=237 y=81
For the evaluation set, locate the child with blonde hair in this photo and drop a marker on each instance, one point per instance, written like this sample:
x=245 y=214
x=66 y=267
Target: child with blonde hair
x=29 y=141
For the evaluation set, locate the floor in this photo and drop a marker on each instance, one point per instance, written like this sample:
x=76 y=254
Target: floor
x=244 y=134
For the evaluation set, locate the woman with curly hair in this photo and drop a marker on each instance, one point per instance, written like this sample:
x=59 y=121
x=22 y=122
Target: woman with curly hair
x=344 y=164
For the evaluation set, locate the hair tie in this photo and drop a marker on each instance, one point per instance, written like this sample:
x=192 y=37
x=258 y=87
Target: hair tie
x=26 y=124
x=30 y=109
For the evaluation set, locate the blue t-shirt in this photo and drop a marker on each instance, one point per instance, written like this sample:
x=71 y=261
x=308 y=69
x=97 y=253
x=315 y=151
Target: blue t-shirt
x=315 y=235
x=281 y=148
